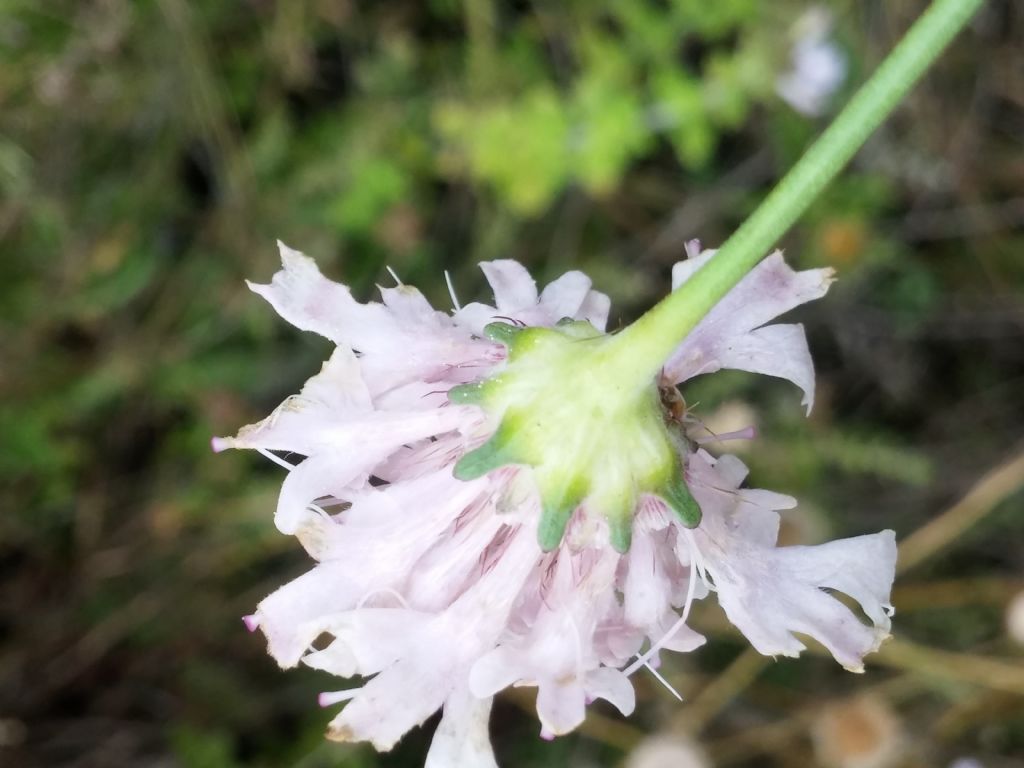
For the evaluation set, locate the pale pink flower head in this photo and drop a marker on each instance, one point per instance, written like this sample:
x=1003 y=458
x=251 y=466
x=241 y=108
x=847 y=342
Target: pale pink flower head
x=443 y=572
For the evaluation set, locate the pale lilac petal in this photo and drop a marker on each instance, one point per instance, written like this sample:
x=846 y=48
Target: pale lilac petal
x=616 y=643
x=401 y=340
x=774 y=350
x=755 y=518
x=307 y=422
x=564 y=297
x=724 y=338
x=495 y=671
x=612 y=686
x=311 y=302
x=861 y=567
x=476 y=316
x=647 y=589
x=784 y=593
x=453 y=563
x=427 y=456
x=595 y=309
x=516 y=298
x=356 y=449
x=561 y=705
x=669 y=634
x=326 y=474
x=770 y=289
x=409 y=691
x=366 y=640
x=383 y=532
x=409 y=306
x=397 y=700
x=770 y=593
x=729 y=471
x=695 y=259
x=339 y=387
x=369 y=553
x=512 y=285
x=290 y=616
x=419 y=395
x=418 y=356
x=462 y=739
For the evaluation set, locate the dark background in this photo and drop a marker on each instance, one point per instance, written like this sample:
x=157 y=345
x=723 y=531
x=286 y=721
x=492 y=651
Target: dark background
x=150 y=154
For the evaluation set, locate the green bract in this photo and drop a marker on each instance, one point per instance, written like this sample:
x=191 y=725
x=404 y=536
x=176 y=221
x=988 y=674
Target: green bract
x=589 y=433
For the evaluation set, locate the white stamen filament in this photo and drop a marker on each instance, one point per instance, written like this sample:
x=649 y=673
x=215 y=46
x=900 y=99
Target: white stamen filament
x=276 y=459
x=451 y=291
x=691 y=587
x=661 y=679
x=320 y=511
x=747 y=433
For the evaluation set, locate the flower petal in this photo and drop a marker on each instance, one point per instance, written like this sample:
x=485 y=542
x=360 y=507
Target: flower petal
x=462 y=737
x=291 y=616
x=775 y=350
x=306 y=422
x=647 y=589
x=784 y=593
x=564 y=297
x=516 y=298
x=771 y=593
x=357 y=447
x=561 y=705
x=513 y=287
x=861 y=567
x=595 y=309
x=495 y=671
x=326 y=474
x=409 y=691
x=398 y=699
x=724 y=338
x=612 y=686
x=402 y=340
x=366 y=640
x=311 y=302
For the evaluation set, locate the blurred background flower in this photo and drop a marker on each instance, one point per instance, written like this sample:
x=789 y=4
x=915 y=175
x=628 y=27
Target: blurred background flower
x=817 y=65
x=152 y=152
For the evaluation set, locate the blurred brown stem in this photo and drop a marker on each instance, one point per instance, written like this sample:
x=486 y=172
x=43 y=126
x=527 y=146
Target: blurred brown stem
x=981 y=499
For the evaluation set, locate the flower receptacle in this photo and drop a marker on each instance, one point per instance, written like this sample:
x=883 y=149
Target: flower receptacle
x=590 y=433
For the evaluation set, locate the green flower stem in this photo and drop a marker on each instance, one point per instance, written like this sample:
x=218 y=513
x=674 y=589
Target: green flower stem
x=643 y=348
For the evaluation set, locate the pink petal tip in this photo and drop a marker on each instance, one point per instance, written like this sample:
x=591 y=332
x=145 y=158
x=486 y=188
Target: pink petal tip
x=218 y=444
x=251 y=622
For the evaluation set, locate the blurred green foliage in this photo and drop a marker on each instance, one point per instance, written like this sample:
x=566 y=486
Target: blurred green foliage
x=152 y=151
